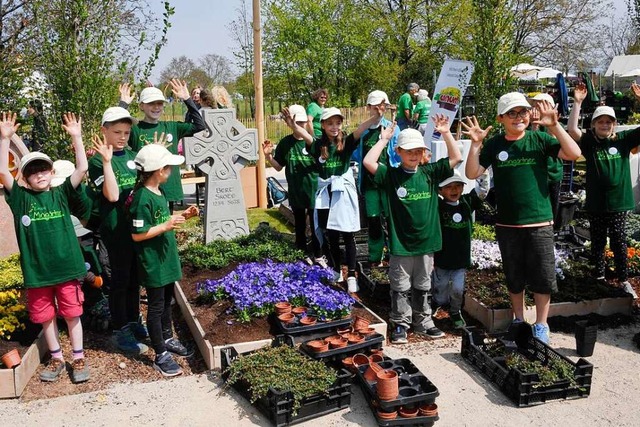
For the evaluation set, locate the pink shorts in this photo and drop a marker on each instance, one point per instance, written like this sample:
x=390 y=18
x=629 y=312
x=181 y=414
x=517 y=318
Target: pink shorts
x=41 y=302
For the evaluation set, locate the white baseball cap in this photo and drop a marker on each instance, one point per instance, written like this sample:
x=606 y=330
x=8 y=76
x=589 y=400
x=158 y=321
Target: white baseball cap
x=113 y=114
x=152 y=157
x=456 y=177
x=545 y=97
x=32 y=157
x=79 y=229
x=151 y=94
x=62 y=169
x=423 y=94
x=298 y=113
x=410 y=139
x=330 y=112
x=377 y=97
x=603 y=111
x=511 y=100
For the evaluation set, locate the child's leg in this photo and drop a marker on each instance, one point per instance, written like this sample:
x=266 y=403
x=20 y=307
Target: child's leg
x=70 y=298
x=334 y=248
x=441 y=279
x=420 y=287
x=513 y=243
x=350 y=252
x=457 y=290
x=616 y=223
x=76 y=336
x=376 y=239
x=400 y=269
x=50 y=331
x=598 y=231
x=165 y=318
x=300 y=223
x=155 y=312
x=316 y=248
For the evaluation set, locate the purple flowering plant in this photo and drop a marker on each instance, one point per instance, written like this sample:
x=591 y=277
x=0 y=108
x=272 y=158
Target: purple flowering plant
x=255 y=287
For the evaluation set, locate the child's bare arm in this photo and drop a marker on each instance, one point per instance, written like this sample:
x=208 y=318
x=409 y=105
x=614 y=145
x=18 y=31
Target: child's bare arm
x=172 y=224
x=8 y=128
x=472 y=168
x=373 y=119
x=549 y=118
x=444 y=128
x=298 y=131
x=267 y=149
x=579 y=95
x=73 y=126
x=370 y=161
x=110 y=186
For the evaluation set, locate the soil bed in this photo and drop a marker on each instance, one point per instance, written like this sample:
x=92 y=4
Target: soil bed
x=20 y=340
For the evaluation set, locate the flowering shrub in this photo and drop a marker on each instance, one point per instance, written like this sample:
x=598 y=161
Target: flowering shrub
x=10 y=272
x=255 y=287
x=484 y=232
x=633 y=260
x=12 y=313
x=485 y=255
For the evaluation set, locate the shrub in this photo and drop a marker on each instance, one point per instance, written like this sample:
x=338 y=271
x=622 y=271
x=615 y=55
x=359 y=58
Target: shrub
x=484 y=232
x=13 y=314
x=10 y=273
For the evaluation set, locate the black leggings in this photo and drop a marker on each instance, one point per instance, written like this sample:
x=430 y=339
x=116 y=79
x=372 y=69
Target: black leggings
x=124 y=294
x=159 y=316
x=612 y=224
x=333 y=236
x=300 y=216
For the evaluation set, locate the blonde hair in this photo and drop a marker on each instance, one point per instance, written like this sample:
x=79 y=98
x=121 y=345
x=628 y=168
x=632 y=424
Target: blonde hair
x=221 y=98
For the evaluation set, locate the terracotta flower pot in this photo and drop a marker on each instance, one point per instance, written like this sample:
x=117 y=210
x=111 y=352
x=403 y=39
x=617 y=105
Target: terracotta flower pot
x=387 y=385
x=11 y=359
x=377 y=351
x=347 y=363
x=308 y=320
x=360 y=323
x=354 y=338
x=345 y=331
x=384 y=415
x=338 y=343
x=318 y=346
x=283 y=307
x=360 y=360
x=428 y=410
x=287 y=318
x=408 y=412
x=366 y=331
x=299 y=310
x=371 y=374
x=375 y=358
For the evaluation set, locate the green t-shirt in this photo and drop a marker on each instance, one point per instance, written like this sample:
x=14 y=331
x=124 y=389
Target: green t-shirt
x=608 y=172
x=422 y=108
x=315 y=111
x=370 y=139
x=301 y=171
x=413 y=206
x=113 y=221
x=49 y=250
x=80 y=203
x=456 y=224
x=338 y=162
x=520 y=176
x=404 y=103
x=142 y=134
x=158 y=260
x=555 y=169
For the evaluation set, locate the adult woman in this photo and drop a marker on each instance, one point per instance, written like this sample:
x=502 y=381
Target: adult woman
x=314 y=111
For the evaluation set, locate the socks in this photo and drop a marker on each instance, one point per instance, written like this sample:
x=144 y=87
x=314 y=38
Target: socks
x=78 y=354
x=56 y=354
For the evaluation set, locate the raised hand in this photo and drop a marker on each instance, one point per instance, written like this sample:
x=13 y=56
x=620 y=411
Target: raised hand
x=441 y=123
x=174 y=222
x=580 y=92
x=635 y=88
x=287 y=117
x=126 y=93
x=548 y=114
x=72 y=125
x=8 y=125
x=387 y=133
x=473 y=130
x=180 y=89
x=100 y=145
x=161 y=139
x=267 y=147
x=190 y=212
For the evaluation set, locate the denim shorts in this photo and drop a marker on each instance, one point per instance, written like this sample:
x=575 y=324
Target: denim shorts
x=528 y=259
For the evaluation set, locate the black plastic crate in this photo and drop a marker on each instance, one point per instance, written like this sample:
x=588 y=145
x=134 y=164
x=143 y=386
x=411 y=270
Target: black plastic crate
x=414 y=387
x=376 y=290
x=521 y=387
x=277 y=405
x=297 y=329
x=418 y=421
x=373 y=341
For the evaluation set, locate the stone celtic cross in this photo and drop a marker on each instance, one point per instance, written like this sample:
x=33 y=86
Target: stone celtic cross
x=221 y=151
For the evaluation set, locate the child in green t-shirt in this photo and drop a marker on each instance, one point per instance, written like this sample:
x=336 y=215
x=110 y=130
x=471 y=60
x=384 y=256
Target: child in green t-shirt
x=152 y=231
x=152 y=102
x=524 y=226
x=302 y=179
x=609 y=192
x=50 y=256
x=112 y=175
x=421 y=110
x=414 y=228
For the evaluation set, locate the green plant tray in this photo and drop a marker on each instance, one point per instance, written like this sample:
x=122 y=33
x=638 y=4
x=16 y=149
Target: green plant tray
x=375 y=289
x=520 y=387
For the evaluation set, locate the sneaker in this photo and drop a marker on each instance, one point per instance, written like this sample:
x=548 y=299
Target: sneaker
x=165 y=364
x=176 y=347
x=629 y=289
x=399 y=335
x=53 y=370
x=308 y=260
x=458 y=320
x=541 y=332
x=352 y=284
x=434 y=333
x=338 y=277
x=79 y=371
x=127 y=343
x=322 y=262
x=139 y=329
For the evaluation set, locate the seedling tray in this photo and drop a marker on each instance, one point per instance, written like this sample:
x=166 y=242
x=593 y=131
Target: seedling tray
x=399 y=421
x=521 y=387
x=297 y=329
x=370 y=342
x=375 y=289
x=413 y=385
x=277 y=405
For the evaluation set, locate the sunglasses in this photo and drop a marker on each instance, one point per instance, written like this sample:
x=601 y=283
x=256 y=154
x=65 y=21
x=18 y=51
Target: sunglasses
x=515 y=114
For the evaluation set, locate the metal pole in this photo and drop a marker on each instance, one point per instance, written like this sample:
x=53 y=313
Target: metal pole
x=257 y=81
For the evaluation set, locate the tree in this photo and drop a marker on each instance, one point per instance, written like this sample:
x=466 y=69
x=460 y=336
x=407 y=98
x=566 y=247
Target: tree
x=178 y=68
x=241 y=31
x=14 y=18
x=216 y=67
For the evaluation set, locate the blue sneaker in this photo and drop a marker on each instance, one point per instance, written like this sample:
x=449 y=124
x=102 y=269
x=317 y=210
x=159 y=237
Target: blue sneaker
x=541 y=332
x=127 y=343
x=399 y=335
x=139 y=329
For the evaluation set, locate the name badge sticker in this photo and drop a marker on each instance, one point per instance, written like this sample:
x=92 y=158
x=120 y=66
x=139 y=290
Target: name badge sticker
x=613 y=151
x=457 y=217
x=26 y=221
x=401 y=192
x=503 y=156
x=131 y=164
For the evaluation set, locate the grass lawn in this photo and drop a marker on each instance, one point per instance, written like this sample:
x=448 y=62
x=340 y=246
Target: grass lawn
x=272 y=216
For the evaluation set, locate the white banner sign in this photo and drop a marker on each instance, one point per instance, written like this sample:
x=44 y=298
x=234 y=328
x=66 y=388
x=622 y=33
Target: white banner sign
x=452 y=84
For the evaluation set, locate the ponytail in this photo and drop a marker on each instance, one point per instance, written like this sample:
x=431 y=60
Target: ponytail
x=325 y=142
x=140 y=181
